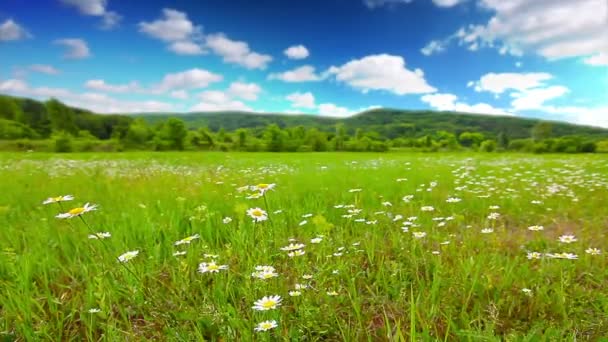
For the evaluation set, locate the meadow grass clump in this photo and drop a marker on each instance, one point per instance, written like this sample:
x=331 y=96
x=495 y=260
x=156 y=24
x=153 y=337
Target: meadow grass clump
x=349 y=247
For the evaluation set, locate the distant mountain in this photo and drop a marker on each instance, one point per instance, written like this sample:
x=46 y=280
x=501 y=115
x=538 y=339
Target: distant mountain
x=390 y=123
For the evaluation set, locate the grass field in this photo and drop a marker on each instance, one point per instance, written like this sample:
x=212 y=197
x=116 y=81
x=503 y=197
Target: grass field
x=450 y=247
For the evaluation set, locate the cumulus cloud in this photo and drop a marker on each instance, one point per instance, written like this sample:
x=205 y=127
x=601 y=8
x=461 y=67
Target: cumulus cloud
x=75 y=48
x=215 y=100
x=176 y=29
x=535 y=98
x=498 y=83
x=189 y=79
x=301 y=100
x=44 y=69
x=10 y=31
x=305 y=73
x=101 y=85
x=97 y=8
x=236 y=52
x=96 y=102
x=381 y=72
x=545 y=27
x=296 y=52
x=600 y=59
x=245 y=91
x=449 y=102
x=433 y=47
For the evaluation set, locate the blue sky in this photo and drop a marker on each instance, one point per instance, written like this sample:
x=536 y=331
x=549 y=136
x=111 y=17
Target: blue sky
x=541 y=58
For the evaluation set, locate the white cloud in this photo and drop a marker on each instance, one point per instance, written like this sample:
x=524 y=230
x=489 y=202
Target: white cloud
x=96 y=8
x=189 y=79
x=236 y=52
x=301 y=100
x=330 y=109
x=382 y=72
x=245 y=91
x=215 y=100
x=75 y=48
x=174 y=28
x=296 y=52
x=186 y=48
x=96 y=102
x=449 y=102
x=305 y=73
x=535 y=98
x=179 y=94
x=498 y=83
x=379 y=3
x=553 y=29
x=101 y=85
x=10 y=30
x=43 y=68
x=433 y=47
x=446 y=3
x=600 y=59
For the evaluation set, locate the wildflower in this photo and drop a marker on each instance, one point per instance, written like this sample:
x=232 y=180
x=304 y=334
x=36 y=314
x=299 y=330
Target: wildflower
x=494 y=207
x=355 y=190
x=267 y=303
x=262 y=188
x=257 y=214
x=536 y=228
x=295 y=293
x=178 y=253
x=187 y=240
x=316 y=240
x=387 y=204
x=303 y=223
x=453 y=200
x=332 y=293
x=534 y=255
x=567 y=239
x=527 y=292
x=77 y=211
x=301 y=286
x=593 y=251
x=211 y=256
x=211 y=267
x=307 y=276
x=306 y=215
x=100 y=235
x=264 y=272
x=564 y=255
x=128 y=256
x=299 y=252
x=266 y=325
x=407 y=198
x=419 y=235
x=493 y=216
x=58 y=199
x=487 y=231
x=427 y=208
x=293 y=247
x=227 y=220
x=94 y=310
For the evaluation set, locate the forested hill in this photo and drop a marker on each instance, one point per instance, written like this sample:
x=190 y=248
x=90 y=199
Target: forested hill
x=388 y=123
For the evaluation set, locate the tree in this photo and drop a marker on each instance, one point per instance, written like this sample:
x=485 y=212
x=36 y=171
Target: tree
x=542 y=130
x=36 y=117
x=10 y=110
x=175 y=133
x=470 y=139
x=242 y=134
x=275 y=138
x=503 y=140
x=138 y=133
x=488 y=146
x=61 y=116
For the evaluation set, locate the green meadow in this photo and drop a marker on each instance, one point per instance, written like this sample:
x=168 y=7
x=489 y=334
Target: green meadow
x=355 y=247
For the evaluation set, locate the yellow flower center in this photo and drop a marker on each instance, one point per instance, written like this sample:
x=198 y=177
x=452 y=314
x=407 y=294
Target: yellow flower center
x=262 y=186
x=266 y=325
x=58 y=198
x=213 y=267
x=76 y=211
x=257 y=213
x=269 y=304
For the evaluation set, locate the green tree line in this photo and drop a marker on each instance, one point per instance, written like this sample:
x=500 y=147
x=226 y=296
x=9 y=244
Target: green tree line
x=27 y=124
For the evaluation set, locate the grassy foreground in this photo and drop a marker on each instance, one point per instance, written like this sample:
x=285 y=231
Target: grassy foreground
x=452 y=247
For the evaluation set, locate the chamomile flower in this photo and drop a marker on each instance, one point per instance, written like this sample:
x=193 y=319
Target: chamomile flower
x=263 y=187
x=257 y=214
x=58 y=199
x=493 y=216
x=94 y=310
x=266 y=325
x=211 y=267
x=179 y=253
x=593 y=251
x=187 y=240
x=264 y=272
x=293 y=247
x=100 y=236
x=536 y=228
x=487 y=231
x=567 y=238
x=126 y=257
x=534 y=255
x=527 y=292
x=419 y=235
x=295 y=293
x=226 y=220
x=453 y=200
x=267 y=303
x=332 y=293
x=77 y=211
x=316 y=240
x=427 y=208
x=299 y=252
